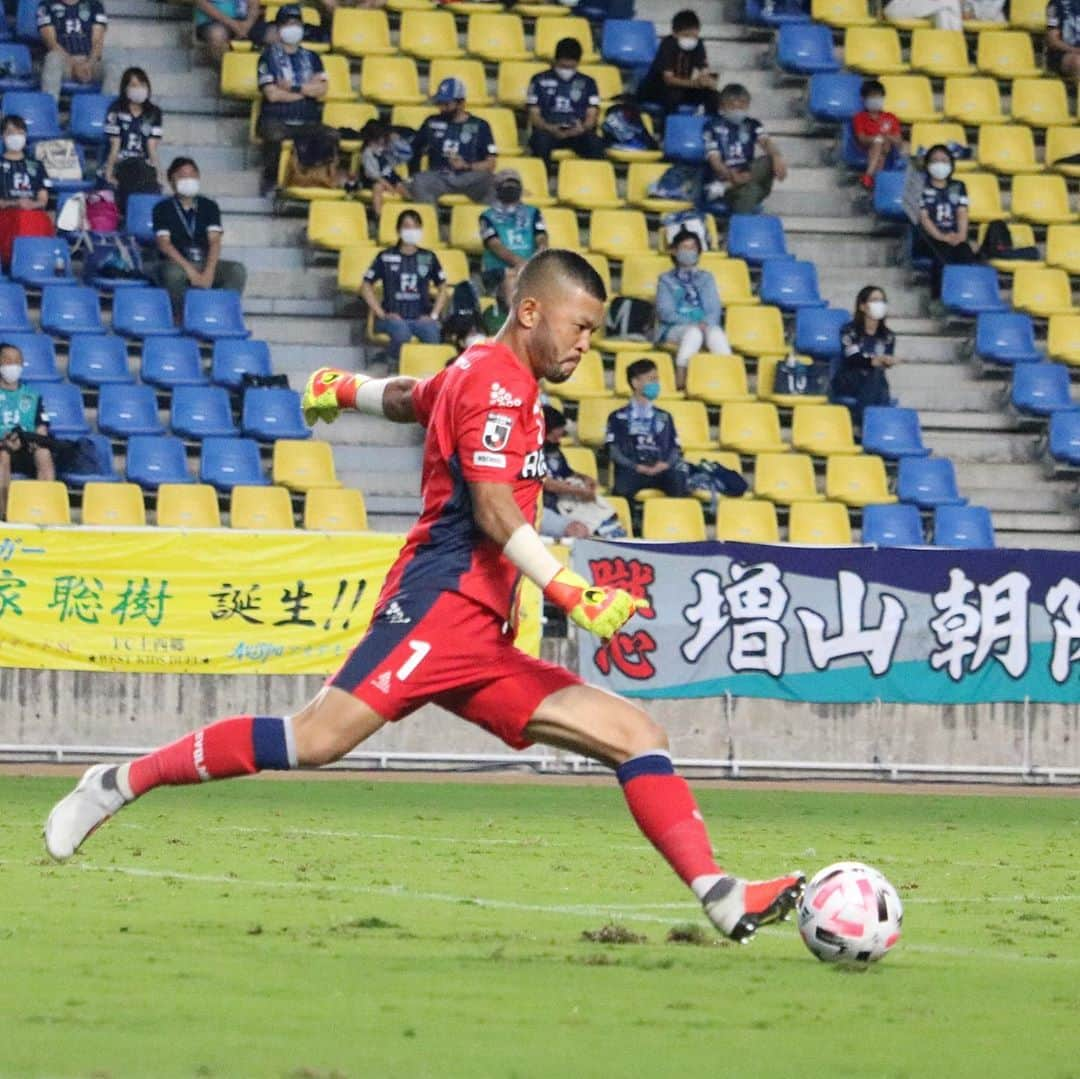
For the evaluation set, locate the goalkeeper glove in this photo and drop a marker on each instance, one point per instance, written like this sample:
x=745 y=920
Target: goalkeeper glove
x=603 y=611
x=327 y=392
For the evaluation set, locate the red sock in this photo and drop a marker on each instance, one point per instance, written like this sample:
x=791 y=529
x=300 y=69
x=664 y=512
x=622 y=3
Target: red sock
x=666 y=812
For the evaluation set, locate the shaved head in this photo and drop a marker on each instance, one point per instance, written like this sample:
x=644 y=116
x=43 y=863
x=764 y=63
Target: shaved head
x=554 y=269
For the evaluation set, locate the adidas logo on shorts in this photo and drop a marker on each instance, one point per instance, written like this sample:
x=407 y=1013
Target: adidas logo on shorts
x=395 y=615
x=382 y=683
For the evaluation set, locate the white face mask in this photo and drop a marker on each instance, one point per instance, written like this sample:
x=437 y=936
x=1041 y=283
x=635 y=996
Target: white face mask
x=735 y=116
x=10 y=372
x=137 y=95
x=292 y=34
x=939 y=170
x=875 y=104
x=877 y=309
x=687 y=44
x=686 y=257
x=411 y=236
x=187 y=186
x=15 y=142
x=566 y=73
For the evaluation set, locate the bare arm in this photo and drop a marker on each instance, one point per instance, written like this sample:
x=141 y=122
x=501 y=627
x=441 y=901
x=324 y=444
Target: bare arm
x=275 y=94
x=495 y=510
x=441 y=299
x=168 y=249
x=367 y=292
x=397 y=399
x=48 y=39
x=929 y=227
x=501 y=251
x=97 y=43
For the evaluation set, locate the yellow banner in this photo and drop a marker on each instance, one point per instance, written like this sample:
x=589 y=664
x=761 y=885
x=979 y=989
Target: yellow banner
x=213 y=602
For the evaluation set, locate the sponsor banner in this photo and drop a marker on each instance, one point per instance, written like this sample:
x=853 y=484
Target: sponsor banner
x=838 y=624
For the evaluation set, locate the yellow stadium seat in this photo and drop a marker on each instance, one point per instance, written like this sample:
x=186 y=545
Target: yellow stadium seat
x=592 y=418
x=358 y=32
x=587 y=379
x=562 y=228
x=984 y=197
x=910 y=98
x=588 y=185
x=329 y=510
x=746 y=520
x=940 y=53
x=665 y=370
x=410 y=115
x=420 y=361
x=766 y=384
x=598 y=262
x=295 y=191
x=639 y=275
x=676 y=520
x=455 y=264
x=38 y=502
x=822 y=430
x=755 y=331
x=691 y=424
x=410 y=5
x=353 y=114
x=353 y=263
x=1020 y=235
x=732 y=280
x=239 y=75
x=622 y=511
x=339 y=82
x=1042 y=291
x=549 y=32
x=717 y=380
x=1040 y=102
x=1028 y=15
x=471 y=73
x=910 y=24
x=582 y=460
x=261 y=509
x=1007 y=55
x=1007 y=148
x=608 y=79
x=465 y=227
x=619 y=234
x=538 y=11
x=391 y=80
x=1063 y=339
x=842 y=12
x=857 y=480
x=503 y=129
x=785 y=478
x=187 y=505
x=639 y=176
x=1063 y=247
x=496 y=38
x=752 y=427
x=973 y=101
x=925 y=135
x=1063 y=142
x=874 y=50
x=301 y=465
x=114 y=505
x=1043 y=200
x=512 y=81
x=336 y=225
x=823 y=524
x=428 y=219
x=429 y=35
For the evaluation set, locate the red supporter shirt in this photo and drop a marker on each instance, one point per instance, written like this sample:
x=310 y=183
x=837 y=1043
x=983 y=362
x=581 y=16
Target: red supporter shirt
x=867 y=126
x=484 y=424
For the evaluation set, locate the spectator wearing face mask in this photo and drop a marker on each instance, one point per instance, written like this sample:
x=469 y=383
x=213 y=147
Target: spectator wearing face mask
x=564 y=107
x=641 y=438
x=867 y=346
x=73 y=33
x=680 y=73
x=23 y=190
x=943 y=216
x=410 y=275
x=688 y=310
x=218 y=23
x=378 y=165
x=876 y=131
x=133 y=126
x=189 y=234
x=511 y=231
x=20 y=410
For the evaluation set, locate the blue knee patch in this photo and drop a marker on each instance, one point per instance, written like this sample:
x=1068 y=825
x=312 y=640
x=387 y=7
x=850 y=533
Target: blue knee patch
x=649 y=764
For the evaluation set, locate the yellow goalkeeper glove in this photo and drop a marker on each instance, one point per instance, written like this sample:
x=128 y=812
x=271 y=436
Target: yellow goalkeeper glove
x=327 y=392
x=603 y=611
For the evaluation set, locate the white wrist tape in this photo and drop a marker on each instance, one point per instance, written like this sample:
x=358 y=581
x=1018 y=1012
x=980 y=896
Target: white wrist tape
x=369 y=396
x=526 y=550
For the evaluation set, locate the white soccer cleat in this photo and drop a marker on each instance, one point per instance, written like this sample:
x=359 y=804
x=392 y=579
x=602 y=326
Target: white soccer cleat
x=86 y=808
x=737 y=907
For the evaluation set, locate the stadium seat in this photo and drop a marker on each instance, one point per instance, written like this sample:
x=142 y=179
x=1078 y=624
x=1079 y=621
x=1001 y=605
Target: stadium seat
x=973 y=100
x=97 y=359
x=429 y=35
x=512 y=81
x=14 y=314
x=842 y=13
x=1007 y=148
x=503 y=130
x=1063 y=339
x=172 y=361
x=834 y=98
x=817 y=331
x=785 y=478
x=892 y=526
x=892 y=432
x=969 y=290
x=550 y=30
x=260 y=509
x=272 y=412
x=968 y=527
x=790 y=284
x=732 y=277
x=1028 y=15
x=156 y=459
x=213 y=313
x=1042 y=291
x=339 y=82
x=889 y=196
x=350 y=114
x=126 y=410
x=676 y=520
x=39 y=110
x=366 y=33
x=910 y=98
x=806 y=49
x=753 y=427
x=984 y=197
x=38 y=502
x=334 y=225
x=691 y=424
x=1064 y=440
x=239 y=75
x=496 y=37
x=63 y=402
x=1006 y=338
x=18 y=68
x=587 y=379
x=39 y=356
x=187 y=505
x=68 y=309
x=1062 y=142
x=598 y=262
x=1063 y=248
x=766 y=383
x=471 y=73
x=822 y=430
x=113 y=505
x=562 y=229
x=940 y=53
x=856 y=480
x=1041 y=389
x=755 y=331
x=746 y=520
x=609 y=85
x=353 y=263
x=640 y=276
x=429 y=222
x=411 y=116
x=924 y=135
x=628 y=42
x=756 y=238
x=822 y=524
x=420 y=360
x=874 y=50
x=1007 y=55
x=144 y=313
x=40 y=260
x=232 y=359
x=639 y=177
x=391 y=80
x=455 y=264
x=928 y=482
x=1040 y=102
x=26 y=28
x=1042 y=200
x=684 y=138
x=200 y=412
x=618 y=234
x=588 y=185
x=139 y=217
x=1020 y=235
x=592 y=418
x=226 y=462
x=717 y=380
x=334 y=510
x=97 y=466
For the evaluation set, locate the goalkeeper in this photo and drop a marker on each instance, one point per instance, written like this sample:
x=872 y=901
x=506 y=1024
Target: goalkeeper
x=442 y=630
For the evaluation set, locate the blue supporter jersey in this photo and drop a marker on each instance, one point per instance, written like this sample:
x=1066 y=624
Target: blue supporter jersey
x=643 y=435
x=516 y=227
x=563 y=102
x=442 y=139
x=859 y=347
x=1064 y=15
x=943 y=203
x=735 y=143
x=406 y=280
x=74 y=23
x=21 y=179
x=558 y=468
x=298 y=68
x=134 y=132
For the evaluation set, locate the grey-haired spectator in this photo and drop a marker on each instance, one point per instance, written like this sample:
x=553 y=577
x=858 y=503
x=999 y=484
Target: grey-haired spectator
x=73 y=33
x=23 y=190
x=680 y=73
x=218 y=23
x=511 y=231
x=564 y=107
x=20 y=410
x=134 y=127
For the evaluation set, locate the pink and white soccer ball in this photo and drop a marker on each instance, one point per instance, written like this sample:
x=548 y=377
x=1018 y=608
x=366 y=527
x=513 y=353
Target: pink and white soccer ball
x=850 y=914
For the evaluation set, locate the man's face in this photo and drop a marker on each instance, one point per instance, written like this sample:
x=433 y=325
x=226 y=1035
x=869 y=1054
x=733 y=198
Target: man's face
x=185 y=172
x=11 y=363
x=559 y=327
x=644 y=380
x=554 y=435
x=448 y=108
x=565 y=66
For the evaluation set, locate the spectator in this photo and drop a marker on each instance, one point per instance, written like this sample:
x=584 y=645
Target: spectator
x=20 y=410
x=378 y=165
x=409 y=273
x=688 y=307
x=876 y=131
x=293 y=84
x=943 y=216
x=23 y=190
x=73 y=33
x=564 y=107
x=511 y=231
x=641 y=438
x=680 y=73
x=867 y=345
x=731 y=140
x=189 y=234
x=1063 y=38
x=220 y=22
x=133 y=124
x=460 y=150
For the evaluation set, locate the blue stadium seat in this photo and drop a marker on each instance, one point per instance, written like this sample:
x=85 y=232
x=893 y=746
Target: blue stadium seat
x=1041 y=389
x=38 y=110
x=599 y=10
x=104 y=470
x=156 y=459
x=970 y=527
x=39 y=356
x=87 y=120
x=36 y=261
x=1006 y=338
x=928 y=482
x=775 y=13
x=1065 y=438
x=143 y=312
x=892 y=433
x=684 y=139
x=970 y=290
x=14 y=314
x=63 y=403
x=68 y=309
x=805 y=49
x=26 y=28
x=896 y=525
x=98 y=359
x=629 y=42
x=172 y=361
x=139 y=217
x=233 y=359
x=854 y=156
x=228 y=462
x=273 y=412
x=817 y=331
x=889 y=196
x=202 y=412
x=20 y=74
x=125 y=410
x=790 y=284
x=211 y=313
x=834 y=98
x=757 y=238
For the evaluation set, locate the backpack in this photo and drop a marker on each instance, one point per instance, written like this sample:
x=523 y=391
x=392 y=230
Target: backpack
x=59 y=158
x=997 y=244
x=629 y=318
x=798 y=379
x=713 y=477
x=113 y=258
x=102 y=213
x=319 y=146
x=624 y=127
x=681 y=182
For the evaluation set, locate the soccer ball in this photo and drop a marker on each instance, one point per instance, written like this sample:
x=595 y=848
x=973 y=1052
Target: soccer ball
x=850 y=915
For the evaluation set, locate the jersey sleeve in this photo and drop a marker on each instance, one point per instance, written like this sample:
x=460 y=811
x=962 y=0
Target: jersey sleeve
x=265 y=74
x=44 y=16
x=532 y=94
x=487 y=230
x=1053 y=19
x=490 y=423
x=112 y=120
x=960 y=189
x=375 y=270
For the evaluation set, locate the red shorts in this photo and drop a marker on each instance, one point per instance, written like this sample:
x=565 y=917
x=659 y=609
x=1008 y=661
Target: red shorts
x=445 y=649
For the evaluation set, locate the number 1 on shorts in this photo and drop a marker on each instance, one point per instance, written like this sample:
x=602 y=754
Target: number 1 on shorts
x=419 y=650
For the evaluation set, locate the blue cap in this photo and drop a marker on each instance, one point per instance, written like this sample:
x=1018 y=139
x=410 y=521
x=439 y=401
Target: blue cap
x=288 y=13
x=449 y=90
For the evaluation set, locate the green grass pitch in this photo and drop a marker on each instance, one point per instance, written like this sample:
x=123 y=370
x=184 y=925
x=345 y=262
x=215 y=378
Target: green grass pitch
x=406 y=929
